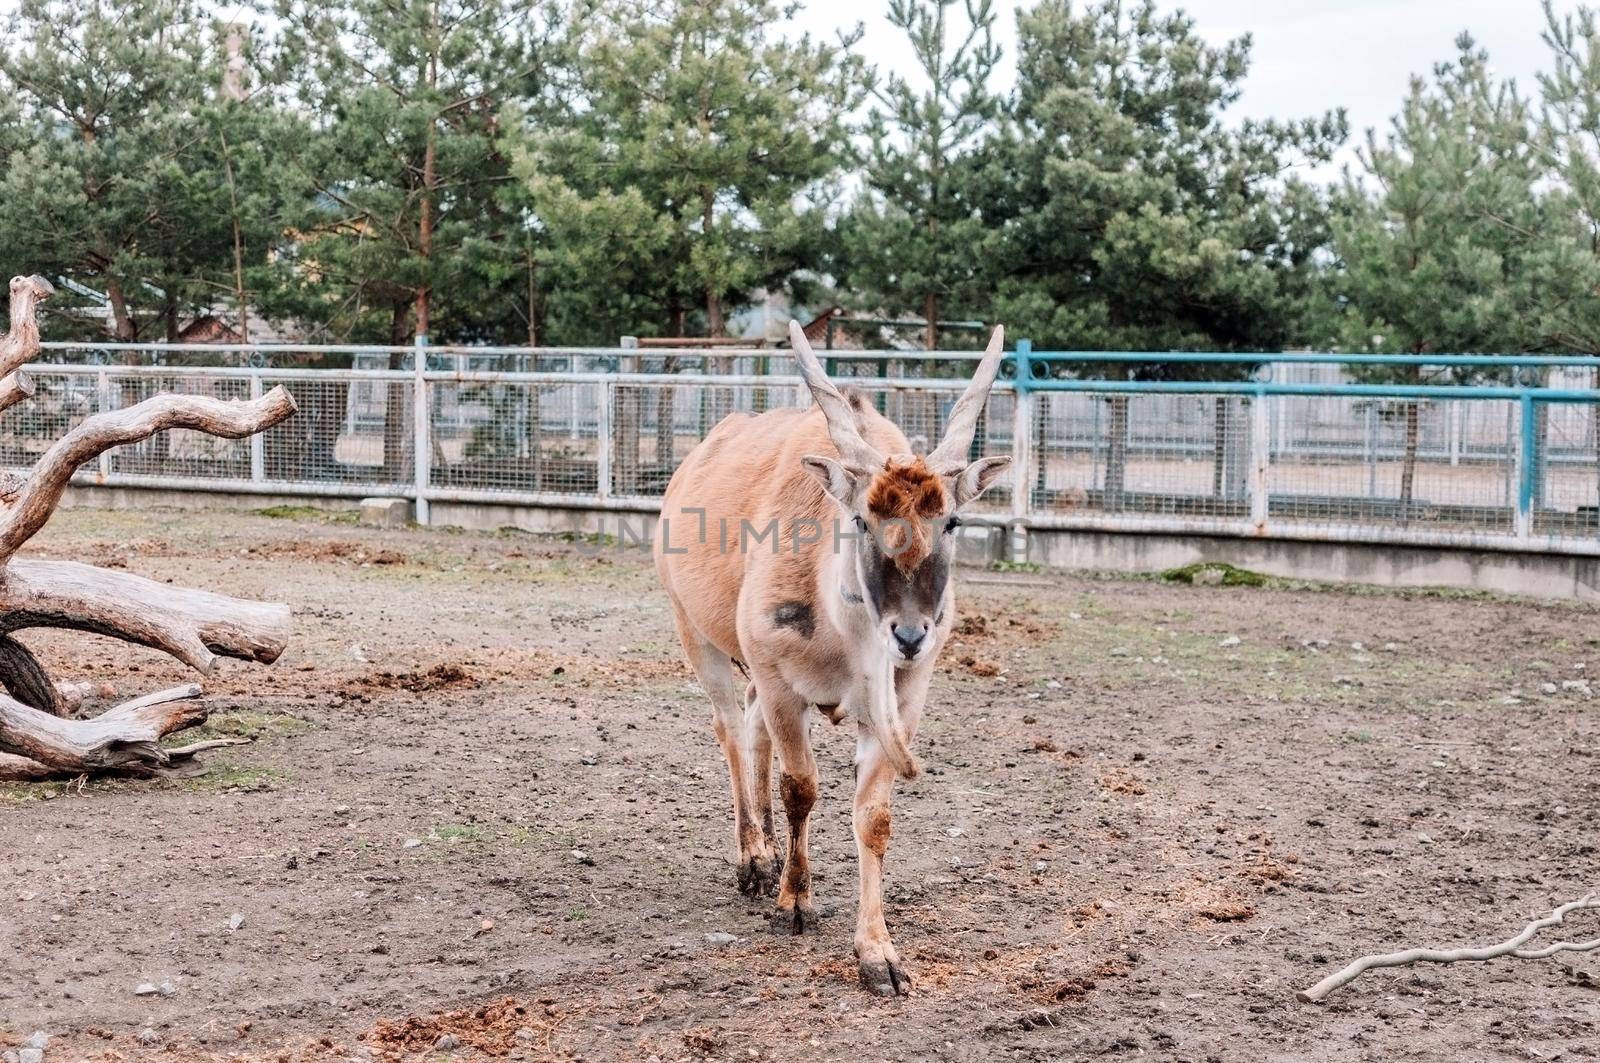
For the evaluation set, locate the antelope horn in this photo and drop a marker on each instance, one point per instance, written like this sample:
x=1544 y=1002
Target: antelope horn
x=951 y=453
x=835 y=408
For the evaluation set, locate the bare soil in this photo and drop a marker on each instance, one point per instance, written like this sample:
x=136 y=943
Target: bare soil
x=1150 y=813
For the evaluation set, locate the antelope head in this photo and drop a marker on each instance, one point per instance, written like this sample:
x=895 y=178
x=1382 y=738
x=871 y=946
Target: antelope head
x=905 y=508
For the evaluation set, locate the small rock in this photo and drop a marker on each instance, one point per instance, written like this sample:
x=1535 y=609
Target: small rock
x=147 y=1036
x=8 y=1056
x=411 y=843
x=1208 y=577
x=1425 y=839
x=38 y=1039
x=720 y=938
x=589 y=760
x=447 y=1042
x=146 y=989
x=1231 y=640
x=1547 y=688
x=954 y=832
x=526 y=1035
x=235 y=921
x=30 y=1055
x=1119 y=651
x=583 y=858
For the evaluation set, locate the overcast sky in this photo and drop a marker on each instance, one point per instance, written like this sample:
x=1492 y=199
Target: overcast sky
x=1306 y=57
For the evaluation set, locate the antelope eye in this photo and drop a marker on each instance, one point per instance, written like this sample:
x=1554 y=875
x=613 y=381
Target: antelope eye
x=952 y=524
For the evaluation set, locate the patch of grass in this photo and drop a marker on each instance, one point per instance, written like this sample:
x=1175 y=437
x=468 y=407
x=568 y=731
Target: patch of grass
x=578 y=915
x=1358 y=736
x=230 y=775
x=243 y=724
x=1016 y=566
x=459 y=832
x=1232 y=576
x=22 y=793
x=604 y=540
x=326 y=516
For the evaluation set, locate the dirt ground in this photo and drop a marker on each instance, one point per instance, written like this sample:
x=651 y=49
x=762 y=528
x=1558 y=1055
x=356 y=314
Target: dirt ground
x=1150 y=813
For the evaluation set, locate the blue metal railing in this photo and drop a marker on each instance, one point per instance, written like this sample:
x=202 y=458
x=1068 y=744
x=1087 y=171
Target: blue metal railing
x=1041 y=373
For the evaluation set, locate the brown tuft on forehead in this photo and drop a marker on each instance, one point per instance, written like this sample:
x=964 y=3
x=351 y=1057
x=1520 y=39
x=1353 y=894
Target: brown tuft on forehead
x=910 y=494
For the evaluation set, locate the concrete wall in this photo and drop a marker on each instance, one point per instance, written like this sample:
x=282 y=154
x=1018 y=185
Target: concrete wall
x=1531 y=574
x=1535 y=575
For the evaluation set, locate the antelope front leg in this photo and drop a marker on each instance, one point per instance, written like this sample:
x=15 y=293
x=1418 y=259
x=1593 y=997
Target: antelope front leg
x=785 y=715
x=880 y=967
x=880 y=963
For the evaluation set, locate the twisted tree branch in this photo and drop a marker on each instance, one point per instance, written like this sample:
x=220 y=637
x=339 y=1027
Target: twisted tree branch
x=50 y=477
x=1512 y=947
x=36 y=740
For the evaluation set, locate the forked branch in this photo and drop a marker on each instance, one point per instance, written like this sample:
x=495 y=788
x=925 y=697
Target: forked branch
x=126 y=738
x=114 y=428
x=1513 y=947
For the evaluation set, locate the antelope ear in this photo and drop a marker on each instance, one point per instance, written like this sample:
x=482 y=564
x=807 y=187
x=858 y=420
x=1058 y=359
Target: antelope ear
x=841 y=481
x=972 y=481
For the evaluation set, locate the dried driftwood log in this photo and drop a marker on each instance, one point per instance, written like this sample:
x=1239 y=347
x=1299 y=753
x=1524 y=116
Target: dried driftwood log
x=38 y=739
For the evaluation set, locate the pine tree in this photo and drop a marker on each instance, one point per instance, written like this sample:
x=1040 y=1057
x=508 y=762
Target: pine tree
x=1124 y=211
x=693 y=174
x=1439 y=237
x=912 y=239
x=404 y=161
x=112 y=168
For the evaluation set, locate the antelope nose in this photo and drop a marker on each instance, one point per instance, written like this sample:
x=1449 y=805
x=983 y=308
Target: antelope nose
x=909 y=637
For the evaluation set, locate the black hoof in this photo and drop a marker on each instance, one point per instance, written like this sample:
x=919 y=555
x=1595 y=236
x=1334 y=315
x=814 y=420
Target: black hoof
x=885 y=978
x=758 y=877
x=786 y=922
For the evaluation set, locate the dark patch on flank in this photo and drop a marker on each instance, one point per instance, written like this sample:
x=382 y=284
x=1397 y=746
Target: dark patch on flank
x=851 y=597
x=796 y=615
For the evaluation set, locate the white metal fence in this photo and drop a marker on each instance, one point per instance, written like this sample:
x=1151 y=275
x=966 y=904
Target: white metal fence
x=1438 y=471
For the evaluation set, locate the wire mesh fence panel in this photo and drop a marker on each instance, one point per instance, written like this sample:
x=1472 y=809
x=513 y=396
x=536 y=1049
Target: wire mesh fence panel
x=350 y=430
x=1566 y=472
x=179 y=453
x=1398 y=463
x=518 y=437
x=656 y=425
x=60 y=402
x=1164 y=454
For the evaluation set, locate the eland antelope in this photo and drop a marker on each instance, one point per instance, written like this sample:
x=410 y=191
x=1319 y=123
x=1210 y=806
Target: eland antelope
x=811 y=549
